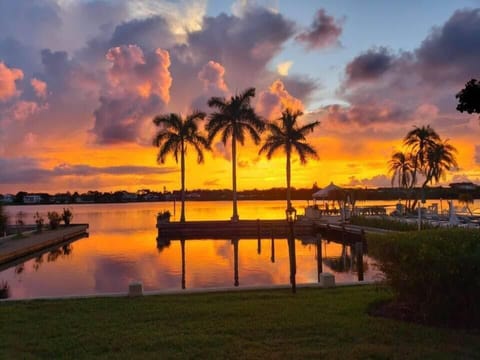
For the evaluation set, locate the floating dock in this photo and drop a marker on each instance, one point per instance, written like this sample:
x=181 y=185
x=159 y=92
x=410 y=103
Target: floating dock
x=14 y=247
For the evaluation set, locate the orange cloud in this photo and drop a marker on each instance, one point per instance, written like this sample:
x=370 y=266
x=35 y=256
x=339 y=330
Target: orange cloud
x=8 y=77
x=40 y=87
x=276 y=99
x=132 y=70
x=212 y=75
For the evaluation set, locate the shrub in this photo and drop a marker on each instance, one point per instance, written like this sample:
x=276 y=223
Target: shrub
x=4 y=290
x=164 y=216
x=54 y=219
x=20 y=222
x=3 y=221
x=39 y=221
x=435 y=272
x=67 y=216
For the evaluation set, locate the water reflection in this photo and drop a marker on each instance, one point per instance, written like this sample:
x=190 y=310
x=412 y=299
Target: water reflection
x=122 y=247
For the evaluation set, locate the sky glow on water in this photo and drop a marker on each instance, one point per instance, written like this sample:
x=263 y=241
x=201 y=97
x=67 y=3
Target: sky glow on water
x=122 y=247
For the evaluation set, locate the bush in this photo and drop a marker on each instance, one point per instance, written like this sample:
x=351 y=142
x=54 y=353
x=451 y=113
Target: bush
x=3 y=221
x=4 y=290
x=435 y=272
x=38 y=221
x=164 y=216
x=54 y=219
x=67 y=216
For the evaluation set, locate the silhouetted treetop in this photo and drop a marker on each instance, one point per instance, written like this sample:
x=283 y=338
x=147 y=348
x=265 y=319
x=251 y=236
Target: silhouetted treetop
x=469 y=97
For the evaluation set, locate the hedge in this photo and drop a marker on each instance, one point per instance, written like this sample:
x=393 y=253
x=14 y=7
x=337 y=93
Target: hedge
x=437 y=272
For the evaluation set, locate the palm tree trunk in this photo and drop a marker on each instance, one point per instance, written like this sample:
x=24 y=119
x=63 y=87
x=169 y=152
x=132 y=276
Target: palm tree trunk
x=182 y=169
x=289 y=191
x=234 y=177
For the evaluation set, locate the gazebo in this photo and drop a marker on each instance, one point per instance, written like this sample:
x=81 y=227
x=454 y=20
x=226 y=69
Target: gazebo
x=325 y=192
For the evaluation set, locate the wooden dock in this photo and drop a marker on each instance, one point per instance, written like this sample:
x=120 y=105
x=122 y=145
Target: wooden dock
x=343 y=233
x=257 y=229
x=226 y=229
x=13 y=248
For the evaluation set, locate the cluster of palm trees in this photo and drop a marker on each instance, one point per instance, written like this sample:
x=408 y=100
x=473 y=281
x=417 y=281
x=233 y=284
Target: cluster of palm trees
x=427 y=155
x=234 y=119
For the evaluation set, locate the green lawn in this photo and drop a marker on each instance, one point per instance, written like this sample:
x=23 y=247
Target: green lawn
x=314 y=323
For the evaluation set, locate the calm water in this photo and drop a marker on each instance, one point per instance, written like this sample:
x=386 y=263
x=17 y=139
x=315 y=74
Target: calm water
x=122 y=247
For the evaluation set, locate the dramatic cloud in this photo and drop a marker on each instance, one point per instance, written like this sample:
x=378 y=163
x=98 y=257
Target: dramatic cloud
x=276 y=99
x=8 y=77
x=212 y=76
x=40 y=88
x=369 y=65
x=323 y=32
x=138 y=88
x=149 y=33
x=243 y=44
x=387 y=91
x=182 y=15
x=451 y=52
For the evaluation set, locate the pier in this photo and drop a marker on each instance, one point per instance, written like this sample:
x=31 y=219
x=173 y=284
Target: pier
x=256 y=229
x=15 y=247
x=226 y=229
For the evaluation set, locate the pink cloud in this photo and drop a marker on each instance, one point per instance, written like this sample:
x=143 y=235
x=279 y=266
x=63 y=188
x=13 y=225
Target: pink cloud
x=22 y=110
x=276 y=99
x=132 y=71
x=212 y=75
x=8 y=77
x=137 y=88
x=40 y=87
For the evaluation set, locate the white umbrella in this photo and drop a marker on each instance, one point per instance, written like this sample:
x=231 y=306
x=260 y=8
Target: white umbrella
x=323 y=193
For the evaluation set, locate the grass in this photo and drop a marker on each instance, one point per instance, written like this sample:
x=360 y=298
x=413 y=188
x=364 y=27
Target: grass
x=314 y=323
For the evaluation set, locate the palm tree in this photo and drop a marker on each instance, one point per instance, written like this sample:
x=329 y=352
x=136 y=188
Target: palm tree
x=173 y=137
x=440 y=158
x=401 y=168
x=234 y=118
x=289 y=137
x=420 y=140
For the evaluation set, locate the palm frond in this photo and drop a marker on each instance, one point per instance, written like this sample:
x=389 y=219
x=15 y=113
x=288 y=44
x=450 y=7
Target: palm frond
x=304 y=151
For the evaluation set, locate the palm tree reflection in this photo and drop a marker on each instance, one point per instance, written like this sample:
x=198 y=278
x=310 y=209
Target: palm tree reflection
x=235 y=242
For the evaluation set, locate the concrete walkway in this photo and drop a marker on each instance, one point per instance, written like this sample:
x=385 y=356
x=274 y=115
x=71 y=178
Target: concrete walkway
x=14 y=247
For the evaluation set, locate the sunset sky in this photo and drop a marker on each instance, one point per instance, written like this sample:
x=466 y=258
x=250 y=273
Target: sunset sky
x=80 y=82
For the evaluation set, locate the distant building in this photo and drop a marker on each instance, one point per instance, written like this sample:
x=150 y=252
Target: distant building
x=7 y=198
x=32 y=199
x=127 y=196
x=464 y=186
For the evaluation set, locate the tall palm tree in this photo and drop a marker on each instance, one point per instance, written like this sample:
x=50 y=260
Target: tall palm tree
x=289 y=137
x=420 y=140
x=440 y=158
x=173 y=137
x=401 y=167
x=234 y=117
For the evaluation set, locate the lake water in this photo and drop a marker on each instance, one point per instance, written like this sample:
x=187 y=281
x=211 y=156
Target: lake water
x=122 y=247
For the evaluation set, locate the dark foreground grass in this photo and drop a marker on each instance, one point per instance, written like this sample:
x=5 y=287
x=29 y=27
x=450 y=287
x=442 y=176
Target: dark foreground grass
x=314 y=323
